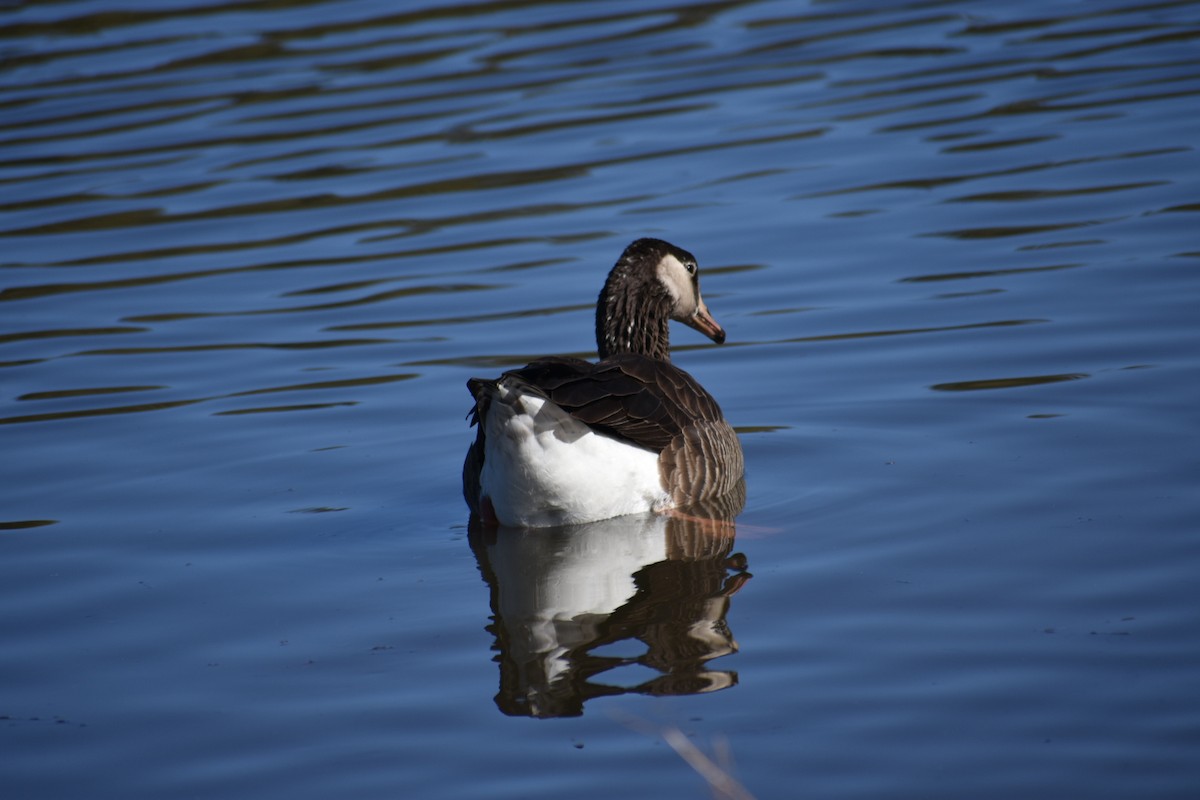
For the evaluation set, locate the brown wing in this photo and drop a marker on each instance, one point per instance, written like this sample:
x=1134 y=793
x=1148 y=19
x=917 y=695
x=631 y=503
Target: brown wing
x=642 y=400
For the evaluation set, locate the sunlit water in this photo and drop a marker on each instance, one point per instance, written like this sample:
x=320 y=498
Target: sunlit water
x=251 y=252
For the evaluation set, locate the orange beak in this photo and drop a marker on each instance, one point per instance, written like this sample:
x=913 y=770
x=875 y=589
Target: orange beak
x=703 y=321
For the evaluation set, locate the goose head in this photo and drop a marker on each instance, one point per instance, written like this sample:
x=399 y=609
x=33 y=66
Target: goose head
x=652 y=282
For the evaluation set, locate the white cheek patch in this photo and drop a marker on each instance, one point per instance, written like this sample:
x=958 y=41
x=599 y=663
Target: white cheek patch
x=674 y=275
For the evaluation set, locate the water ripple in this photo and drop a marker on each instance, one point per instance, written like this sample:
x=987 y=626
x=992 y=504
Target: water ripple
x=250 y=251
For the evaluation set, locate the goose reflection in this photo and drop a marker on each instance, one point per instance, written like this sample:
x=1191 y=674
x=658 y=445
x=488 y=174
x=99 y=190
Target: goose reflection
x=561 y=595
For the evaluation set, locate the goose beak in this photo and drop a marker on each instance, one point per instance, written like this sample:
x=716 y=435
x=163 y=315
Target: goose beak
x=703 y=321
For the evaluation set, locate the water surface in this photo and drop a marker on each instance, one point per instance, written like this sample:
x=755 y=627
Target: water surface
x=250 y=254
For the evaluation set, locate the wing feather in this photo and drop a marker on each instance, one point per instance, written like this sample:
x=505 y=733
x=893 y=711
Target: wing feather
x=642 y=400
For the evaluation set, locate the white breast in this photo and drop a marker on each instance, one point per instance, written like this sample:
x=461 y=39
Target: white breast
x=543 y=467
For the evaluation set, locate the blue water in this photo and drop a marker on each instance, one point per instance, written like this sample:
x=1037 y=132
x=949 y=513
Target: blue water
x=251 y=253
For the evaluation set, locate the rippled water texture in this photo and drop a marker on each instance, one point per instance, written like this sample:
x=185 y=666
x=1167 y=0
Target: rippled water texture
x=250 y=252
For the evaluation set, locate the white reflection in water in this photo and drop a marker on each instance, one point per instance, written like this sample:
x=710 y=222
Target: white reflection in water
x=559 y=596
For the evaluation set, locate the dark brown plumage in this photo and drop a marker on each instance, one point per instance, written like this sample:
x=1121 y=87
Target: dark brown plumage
x=634 y=393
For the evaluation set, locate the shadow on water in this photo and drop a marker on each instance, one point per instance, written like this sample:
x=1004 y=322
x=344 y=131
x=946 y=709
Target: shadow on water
x=569 y=605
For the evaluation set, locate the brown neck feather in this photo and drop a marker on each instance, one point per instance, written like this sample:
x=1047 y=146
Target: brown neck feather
x=633 y=315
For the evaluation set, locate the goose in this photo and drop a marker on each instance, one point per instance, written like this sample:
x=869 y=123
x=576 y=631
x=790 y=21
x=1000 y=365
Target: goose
x=564 y=441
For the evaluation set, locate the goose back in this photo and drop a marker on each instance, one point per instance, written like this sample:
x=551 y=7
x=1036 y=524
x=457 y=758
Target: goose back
x=651 y=404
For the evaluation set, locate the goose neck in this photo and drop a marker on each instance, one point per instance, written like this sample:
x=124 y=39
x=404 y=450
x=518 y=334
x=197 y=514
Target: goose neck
x=633 y=320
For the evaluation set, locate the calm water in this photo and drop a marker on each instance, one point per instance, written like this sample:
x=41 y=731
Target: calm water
x=251 y=252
